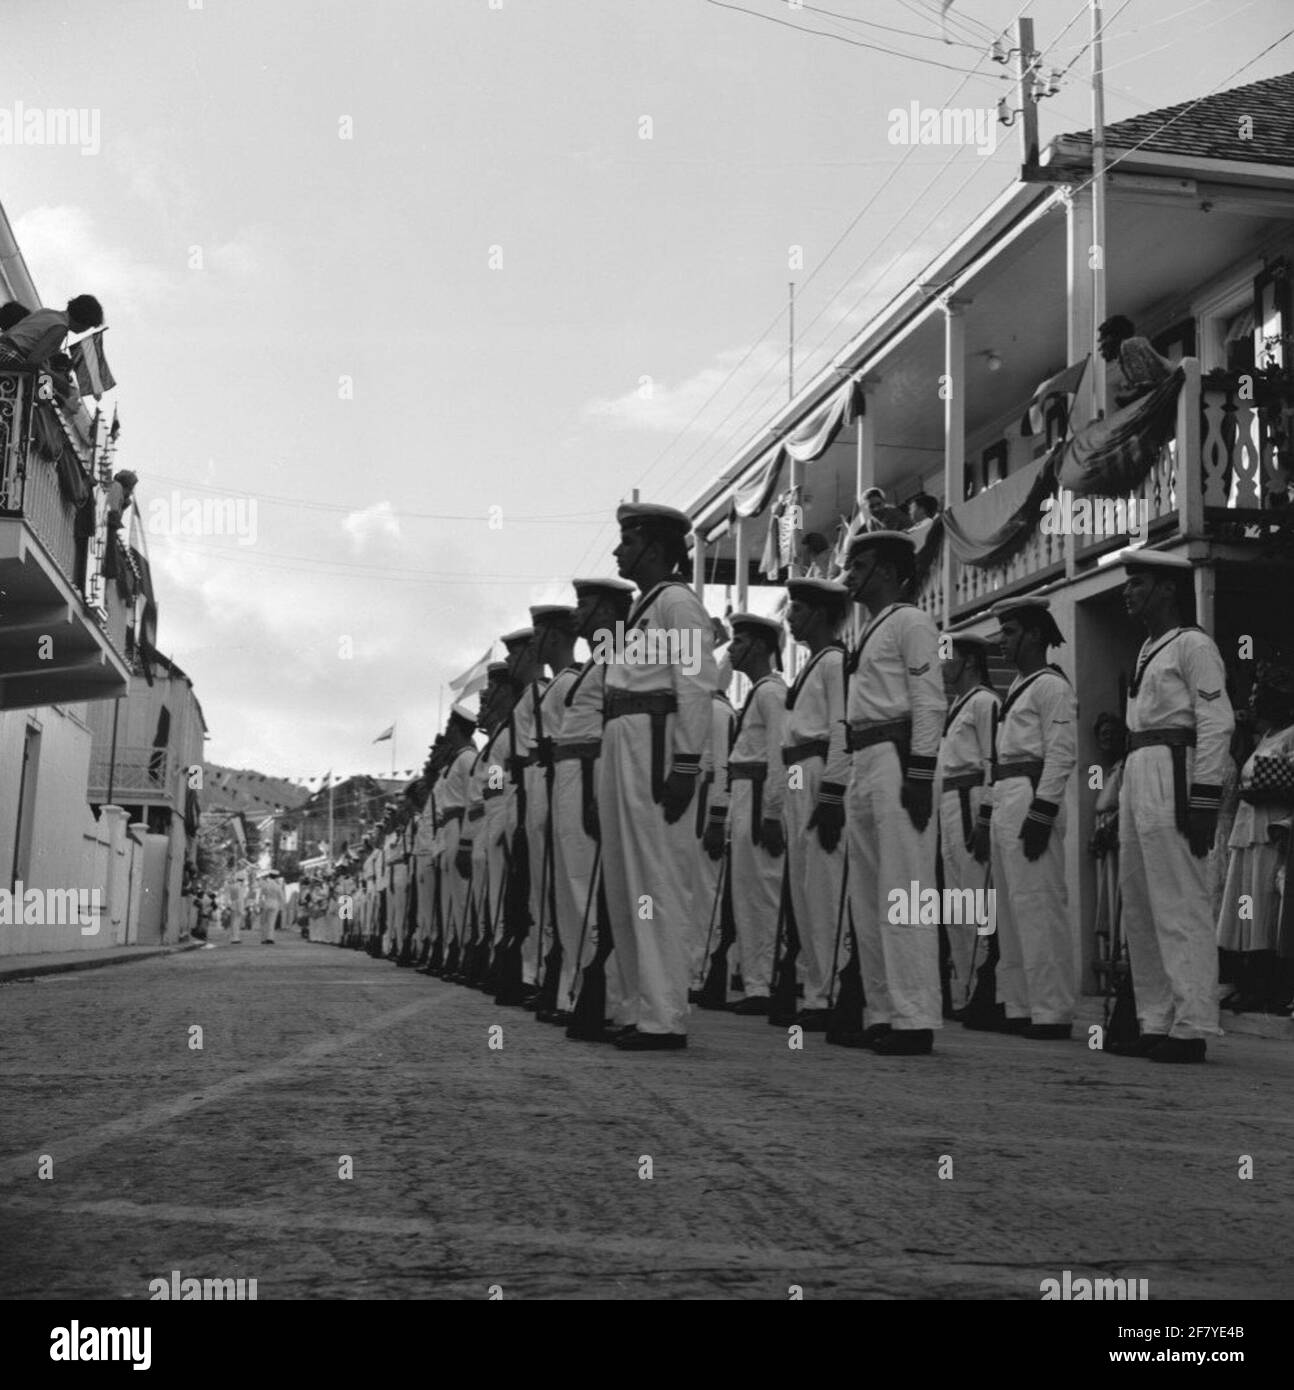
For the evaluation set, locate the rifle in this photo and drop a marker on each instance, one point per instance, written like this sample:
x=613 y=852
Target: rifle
x=786 y=949
x=510 y=989
x=984 y=1013
x=714 y=993
x=1119 y=1016
x=588 y=1016
x=845 y=1002
x=714 y=912
x=546 y=999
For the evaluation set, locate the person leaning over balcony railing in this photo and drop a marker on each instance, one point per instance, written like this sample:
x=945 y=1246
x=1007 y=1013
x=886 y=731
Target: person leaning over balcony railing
x=1142 y=367
x=36 y=339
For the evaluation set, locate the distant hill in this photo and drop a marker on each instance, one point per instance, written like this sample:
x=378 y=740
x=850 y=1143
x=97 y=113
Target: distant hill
x=255 y=794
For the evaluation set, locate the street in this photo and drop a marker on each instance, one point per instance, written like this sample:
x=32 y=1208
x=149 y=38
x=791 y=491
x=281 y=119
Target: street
x=523 y=1167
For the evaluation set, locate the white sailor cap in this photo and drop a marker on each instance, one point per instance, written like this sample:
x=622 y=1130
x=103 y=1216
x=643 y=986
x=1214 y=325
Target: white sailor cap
x=551 y=613
x=496 y=669
x=970 y=639
x=655 y=515
x=820 y=593
x=869 y=538
x=601 y=585
x=1015 y=605
x=769 y=625
x=1137 y=558
x=464 y=716
x=522 y=634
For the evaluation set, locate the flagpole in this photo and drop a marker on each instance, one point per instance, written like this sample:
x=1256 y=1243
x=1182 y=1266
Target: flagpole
x=392 y=752
x=1098 y=212
x=330 y=820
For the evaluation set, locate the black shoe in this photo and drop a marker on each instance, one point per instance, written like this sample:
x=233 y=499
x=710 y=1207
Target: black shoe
x=813 y=1020
x=783 y=1018
x=693 y=995
x=1049 y=1032
x=560 y=1017
x=1141 y=1047
x=838 y=1037
x=651 y=1042
x=756 y=1004
x=1016 y=1025
x=1178 y=1050
x=985 y=1020
x=905 y=1042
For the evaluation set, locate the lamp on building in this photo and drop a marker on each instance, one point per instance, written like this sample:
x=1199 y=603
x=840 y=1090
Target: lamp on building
x=991 y=360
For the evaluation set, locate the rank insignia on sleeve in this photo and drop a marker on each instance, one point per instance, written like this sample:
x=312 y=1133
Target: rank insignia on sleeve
x=1209 y=694
x=918 y=670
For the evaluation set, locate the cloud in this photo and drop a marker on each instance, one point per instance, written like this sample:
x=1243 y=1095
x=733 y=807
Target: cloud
x=655 y=405
x=67 y=256
x=375 y=523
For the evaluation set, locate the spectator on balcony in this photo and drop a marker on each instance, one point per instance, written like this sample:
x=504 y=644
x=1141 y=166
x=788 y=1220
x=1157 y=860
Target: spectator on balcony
x=121 y=493
x=1142 y=367
x=35 y=339
x=11 y=313
x=922 y=510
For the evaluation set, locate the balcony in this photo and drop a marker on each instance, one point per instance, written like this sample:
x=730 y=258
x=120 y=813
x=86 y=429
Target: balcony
x=1234 y=445
x=136 y=774
x=63 y=622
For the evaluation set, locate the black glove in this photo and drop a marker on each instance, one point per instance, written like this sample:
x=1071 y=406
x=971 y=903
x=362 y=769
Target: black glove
x=828 y=819
x=916 y=797
x=680 y=787
x=772 y=838
x=1036 y=831
x=463 y=861
x=1201 y=827
x=713 y=839
x=590 y=815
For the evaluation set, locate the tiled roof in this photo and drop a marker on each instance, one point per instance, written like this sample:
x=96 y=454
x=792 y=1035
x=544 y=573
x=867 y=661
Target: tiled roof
x=1211 y=128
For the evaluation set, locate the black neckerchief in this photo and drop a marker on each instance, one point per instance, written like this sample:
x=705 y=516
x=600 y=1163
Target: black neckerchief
x=1154 y=652
x=975 y=690
x=794 y=693
x=750 y=700
x=644 y=603
x=1018 y=691
x=851 y=665
x=579 y=680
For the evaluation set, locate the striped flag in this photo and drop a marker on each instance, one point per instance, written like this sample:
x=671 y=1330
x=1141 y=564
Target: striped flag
x=93 y=375
x=475 y=678
x=389 y=733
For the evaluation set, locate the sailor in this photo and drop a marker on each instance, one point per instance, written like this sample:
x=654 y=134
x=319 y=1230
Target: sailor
x=1020 y=825
x=556 y=628
x=496 y=795
x=460 y=753
x=474 y=849
x=883 y=762
x=961 y=777
x=397 y=874
x=426 y=875
x=659 y=693
x=273 y=901
x=756 y=781
x=576 y=730
x=1180 y=723
x=815 y=704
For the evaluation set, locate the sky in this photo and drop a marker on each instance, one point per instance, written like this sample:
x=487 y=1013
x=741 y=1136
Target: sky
x=416 y=291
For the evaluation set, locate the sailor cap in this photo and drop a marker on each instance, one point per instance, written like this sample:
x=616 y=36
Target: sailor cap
x=770 y=625
x=969 y=639
x=551 y=612
x=522 y=634
x=816 y=591
x=867 y=538
x=602 y=585
x=1137 y=558
x=1017 y=605
x=496 y=669
x=655 y=515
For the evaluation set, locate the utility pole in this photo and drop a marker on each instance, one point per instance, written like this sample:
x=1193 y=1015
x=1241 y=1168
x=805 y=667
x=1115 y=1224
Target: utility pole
x=1025 y=59
x=1098 y=212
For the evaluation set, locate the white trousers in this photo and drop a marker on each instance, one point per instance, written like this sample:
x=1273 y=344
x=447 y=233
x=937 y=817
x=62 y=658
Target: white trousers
x=573 y=856
x=269 y=921
x=455 y=886
x=397 y=902
x=425 y=887
x=960 y=871
x=1037 y=977
x=815 y=878
x=899 y=964
x=496 y=863
x=1167 y=904
x=647 y=866
x=756 y=894
x=707 y=920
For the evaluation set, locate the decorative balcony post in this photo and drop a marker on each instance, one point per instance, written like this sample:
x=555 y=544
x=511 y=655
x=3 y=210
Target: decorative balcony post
x=1189 y=473
x=954 y=397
